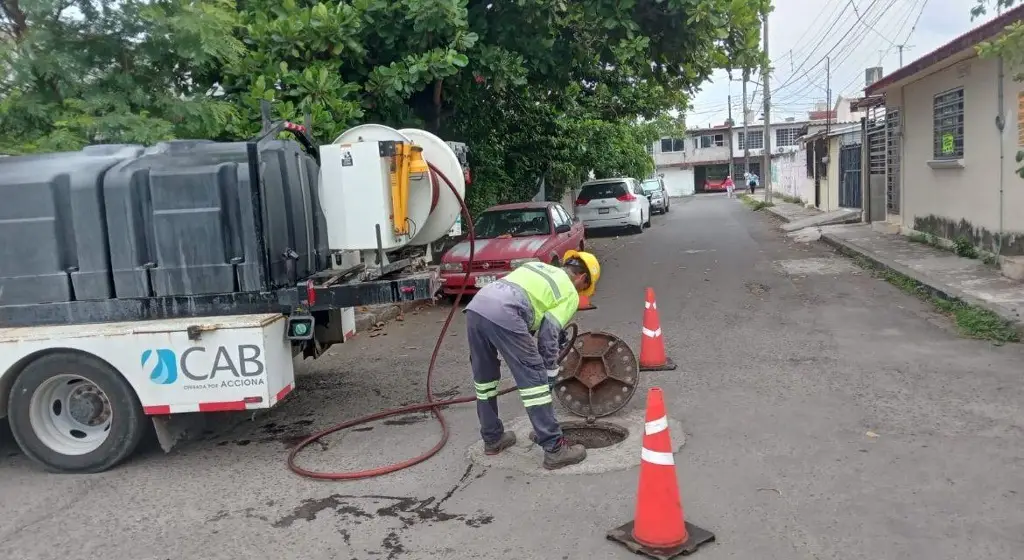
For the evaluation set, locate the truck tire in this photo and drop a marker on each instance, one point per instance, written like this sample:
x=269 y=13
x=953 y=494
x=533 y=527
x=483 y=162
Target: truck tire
x=73 y=413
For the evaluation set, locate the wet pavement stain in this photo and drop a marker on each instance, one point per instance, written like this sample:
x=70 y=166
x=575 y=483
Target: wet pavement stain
x=406 y=420
x=355 y=509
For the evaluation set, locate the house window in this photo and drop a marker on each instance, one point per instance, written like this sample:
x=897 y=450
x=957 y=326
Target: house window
x=709 y=140
x=751 y=140
x=669 y=145
x=948 y=119
x=786 y=136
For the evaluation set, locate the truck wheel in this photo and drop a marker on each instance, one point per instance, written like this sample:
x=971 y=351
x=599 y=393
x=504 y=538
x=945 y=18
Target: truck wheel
x=72 y=412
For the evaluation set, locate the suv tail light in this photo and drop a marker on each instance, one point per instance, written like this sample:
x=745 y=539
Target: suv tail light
x=628 y=197
x=581 y=201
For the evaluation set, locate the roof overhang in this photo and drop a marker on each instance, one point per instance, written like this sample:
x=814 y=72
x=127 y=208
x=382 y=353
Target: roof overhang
x=957 y=50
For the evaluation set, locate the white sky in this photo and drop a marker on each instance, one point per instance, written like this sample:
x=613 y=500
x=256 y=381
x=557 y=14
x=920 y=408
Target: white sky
x=800 y=37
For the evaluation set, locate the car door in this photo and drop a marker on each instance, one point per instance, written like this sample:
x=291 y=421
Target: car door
x=572 y=238
x=642 y=200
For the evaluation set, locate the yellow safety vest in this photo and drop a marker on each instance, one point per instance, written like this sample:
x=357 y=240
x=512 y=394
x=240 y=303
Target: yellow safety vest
x=550 y=291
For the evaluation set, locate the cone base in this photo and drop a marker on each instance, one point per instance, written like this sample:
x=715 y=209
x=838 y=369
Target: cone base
x=587 y=308
x=669 y=365
x=697 y=537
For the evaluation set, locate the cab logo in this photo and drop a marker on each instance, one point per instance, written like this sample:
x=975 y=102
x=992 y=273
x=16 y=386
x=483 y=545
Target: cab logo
x=233 y=368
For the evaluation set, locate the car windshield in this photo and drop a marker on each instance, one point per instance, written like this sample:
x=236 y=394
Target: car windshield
x=651 y=186
x=512 y=223
x=602 y=190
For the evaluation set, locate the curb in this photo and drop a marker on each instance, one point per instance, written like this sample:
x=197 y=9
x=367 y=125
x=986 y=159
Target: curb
x=851 y=249
x=771 y=210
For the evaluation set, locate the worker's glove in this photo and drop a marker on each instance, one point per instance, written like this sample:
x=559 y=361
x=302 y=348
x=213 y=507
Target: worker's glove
x=552 y=375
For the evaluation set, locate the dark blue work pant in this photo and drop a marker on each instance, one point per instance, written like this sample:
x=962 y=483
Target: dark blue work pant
x=519 y=350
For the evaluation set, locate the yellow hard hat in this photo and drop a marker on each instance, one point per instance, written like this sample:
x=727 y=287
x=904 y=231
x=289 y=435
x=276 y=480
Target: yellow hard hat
x=593 y=268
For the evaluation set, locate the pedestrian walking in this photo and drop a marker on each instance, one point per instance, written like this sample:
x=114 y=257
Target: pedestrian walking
x=536 y=298
x=729 y=185
x=752 y=181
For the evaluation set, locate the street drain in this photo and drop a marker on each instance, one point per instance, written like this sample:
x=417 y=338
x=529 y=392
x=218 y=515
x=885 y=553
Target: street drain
x=594 y=435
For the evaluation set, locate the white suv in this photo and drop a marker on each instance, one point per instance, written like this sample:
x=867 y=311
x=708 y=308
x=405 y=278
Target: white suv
x=608 y=203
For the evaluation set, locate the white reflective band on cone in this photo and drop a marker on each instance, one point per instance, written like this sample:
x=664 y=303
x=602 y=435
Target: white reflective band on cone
x=652 y=334
x=655 y=426
x=648 y=305
x=657 y=457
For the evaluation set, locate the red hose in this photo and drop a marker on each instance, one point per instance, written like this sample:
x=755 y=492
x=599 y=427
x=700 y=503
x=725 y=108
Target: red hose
x=432 y=405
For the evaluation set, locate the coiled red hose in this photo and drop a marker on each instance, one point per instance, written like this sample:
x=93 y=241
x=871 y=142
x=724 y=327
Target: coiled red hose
x=434 y=406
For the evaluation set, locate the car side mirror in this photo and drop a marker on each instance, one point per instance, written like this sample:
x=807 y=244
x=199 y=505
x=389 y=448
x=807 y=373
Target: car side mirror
x=563 y=228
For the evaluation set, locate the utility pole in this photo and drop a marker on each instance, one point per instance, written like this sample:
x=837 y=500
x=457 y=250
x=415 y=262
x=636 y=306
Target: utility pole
x=766 y=170
x=900 y=48
x=746 y=137
x=828 y=96
x=732 y=172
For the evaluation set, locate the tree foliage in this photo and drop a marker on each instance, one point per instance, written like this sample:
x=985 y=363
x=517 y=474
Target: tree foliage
x=537 y=88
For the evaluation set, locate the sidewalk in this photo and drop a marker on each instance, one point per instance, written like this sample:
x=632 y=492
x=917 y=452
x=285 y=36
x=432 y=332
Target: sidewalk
x=969 y=280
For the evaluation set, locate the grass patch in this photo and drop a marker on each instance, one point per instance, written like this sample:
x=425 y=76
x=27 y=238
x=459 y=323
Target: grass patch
x=961 y=246
x=755 y=204
x=971 y=321
x=789 y=199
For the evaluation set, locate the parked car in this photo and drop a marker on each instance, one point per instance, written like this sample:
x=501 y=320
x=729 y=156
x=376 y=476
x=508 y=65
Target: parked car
x=507 y=236
x=608 y=203
x=656 y=193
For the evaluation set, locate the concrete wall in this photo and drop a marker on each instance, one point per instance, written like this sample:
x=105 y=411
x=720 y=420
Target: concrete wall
x=678 y=182
x=962 y=201
x=789 y=176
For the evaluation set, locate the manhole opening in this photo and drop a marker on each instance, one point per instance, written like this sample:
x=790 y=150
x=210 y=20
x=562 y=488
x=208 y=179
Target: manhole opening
x=593 y=436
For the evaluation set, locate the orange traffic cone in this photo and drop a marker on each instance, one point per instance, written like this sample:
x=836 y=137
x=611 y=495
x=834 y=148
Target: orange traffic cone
x=659 y=528
x=585 y=304
x=652 y=345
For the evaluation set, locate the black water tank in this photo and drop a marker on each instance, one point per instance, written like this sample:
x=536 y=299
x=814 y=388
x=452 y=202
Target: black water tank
x=181 y=222
x=53 y=239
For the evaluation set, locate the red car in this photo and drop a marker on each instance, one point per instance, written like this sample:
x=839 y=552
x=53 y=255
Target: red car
x=508 y=236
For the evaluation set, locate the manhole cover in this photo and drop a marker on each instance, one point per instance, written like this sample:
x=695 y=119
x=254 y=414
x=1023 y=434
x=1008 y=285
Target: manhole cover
x=594 y=435
x=598 y=376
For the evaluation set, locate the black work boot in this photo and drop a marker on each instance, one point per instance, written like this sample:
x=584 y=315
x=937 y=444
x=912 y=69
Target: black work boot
x=564 y=456
x=507 y=439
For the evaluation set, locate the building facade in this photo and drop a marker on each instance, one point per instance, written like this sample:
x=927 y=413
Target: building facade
x=955 y=125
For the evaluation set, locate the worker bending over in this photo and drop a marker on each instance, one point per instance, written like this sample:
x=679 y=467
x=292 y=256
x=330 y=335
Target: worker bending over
x=503 y=316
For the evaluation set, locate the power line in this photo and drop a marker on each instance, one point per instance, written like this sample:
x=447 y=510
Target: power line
x=822 y=40
x=844 y=53
x=834 y=47
x=897 y=31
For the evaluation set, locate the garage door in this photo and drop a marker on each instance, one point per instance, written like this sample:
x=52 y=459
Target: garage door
x=678 y=182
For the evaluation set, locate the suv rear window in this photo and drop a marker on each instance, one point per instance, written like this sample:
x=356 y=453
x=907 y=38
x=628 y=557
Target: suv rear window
x=602 y=190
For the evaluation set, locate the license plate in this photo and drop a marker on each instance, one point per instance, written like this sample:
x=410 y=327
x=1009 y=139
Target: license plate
x=482 y=281
x=604 y=210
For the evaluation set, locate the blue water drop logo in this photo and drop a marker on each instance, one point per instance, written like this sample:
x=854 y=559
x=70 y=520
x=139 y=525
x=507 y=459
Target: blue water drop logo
x=163 y=370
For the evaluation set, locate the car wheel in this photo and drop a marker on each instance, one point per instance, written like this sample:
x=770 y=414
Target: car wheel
x=648 y=222
x=639 y=228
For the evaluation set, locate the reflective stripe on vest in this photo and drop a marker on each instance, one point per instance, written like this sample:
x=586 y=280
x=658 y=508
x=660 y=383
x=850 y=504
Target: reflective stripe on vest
x=549 y=290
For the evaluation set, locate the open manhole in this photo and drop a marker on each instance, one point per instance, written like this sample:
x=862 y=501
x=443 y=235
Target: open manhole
x=593 y=435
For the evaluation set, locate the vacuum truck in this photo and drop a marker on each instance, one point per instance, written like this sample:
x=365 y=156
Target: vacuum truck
x=139 y=284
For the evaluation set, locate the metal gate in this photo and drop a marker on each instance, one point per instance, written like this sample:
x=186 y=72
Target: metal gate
x=849 y=176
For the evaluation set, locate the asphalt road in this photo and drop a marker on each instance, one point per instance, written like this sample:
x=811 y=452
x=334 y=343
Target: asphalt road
x=782 y=377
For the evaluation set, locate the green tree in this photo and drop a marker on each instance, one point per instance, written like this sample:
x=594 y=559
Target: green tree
x=78 y=72
x=538 y=88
